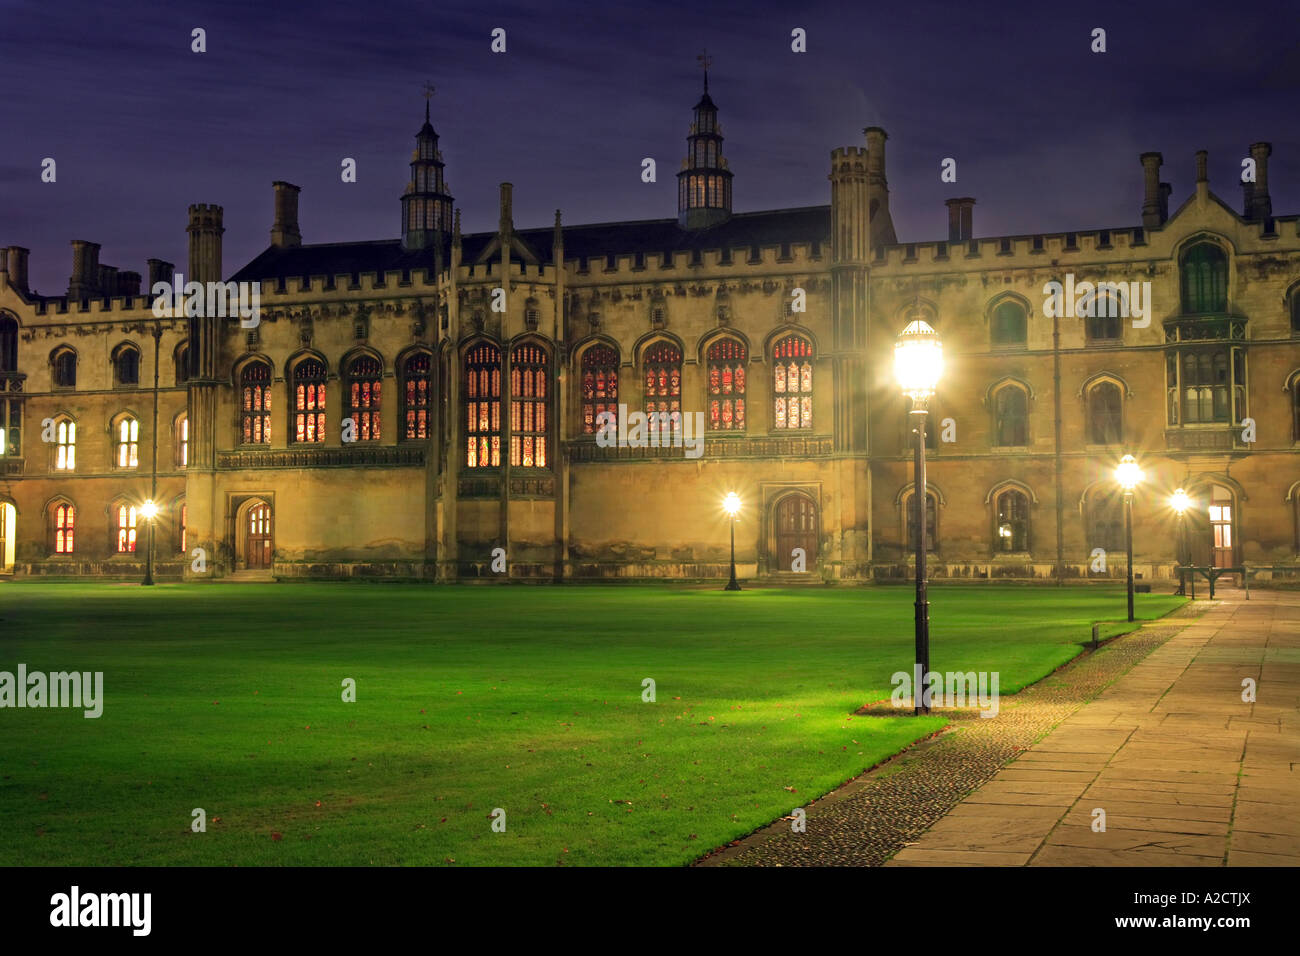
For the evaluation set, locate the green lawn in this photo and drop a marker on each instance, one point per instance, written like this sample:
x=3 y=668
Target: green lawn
x=228 y=697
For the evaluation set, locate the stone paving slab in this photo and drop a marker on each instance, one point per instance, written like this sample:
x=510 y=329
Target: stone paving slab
x=1151 y=728
x=1203 y=778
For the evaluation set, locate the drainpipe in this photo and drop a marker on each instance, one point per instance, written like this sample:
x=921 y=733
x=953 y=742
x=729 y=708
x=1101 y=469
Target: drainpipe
x=1060 y=504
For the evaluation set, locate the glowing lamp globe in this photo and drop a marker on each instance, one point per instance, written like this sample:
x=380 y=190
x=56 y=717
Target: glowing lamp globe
x=1179 y=501
x=149 y=509
x=918 y=360
x=731 y=504
x=1128 y=474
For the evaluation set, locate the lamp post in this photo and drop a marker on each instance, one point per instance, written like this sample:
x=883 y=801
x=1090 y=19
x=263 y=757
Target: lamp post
x=918 y=363
x=731 y=505
x=1180 y=503
x=150 y=511
x=1129 y=476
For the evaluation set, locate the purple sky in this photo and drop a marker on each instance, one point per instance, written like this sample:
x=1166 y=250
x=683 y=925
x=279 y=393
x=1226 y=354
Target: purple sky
x=1046 y=133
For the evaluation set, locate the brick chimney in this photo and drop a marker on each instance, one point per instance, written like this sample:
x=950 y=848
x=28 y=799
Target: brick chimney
x=18 y=267
x=84 y=283
x=205 y=230
x=284 y=231
x=1155 y=209
x=961 y=219
x=159 y=271
x=1258 y=203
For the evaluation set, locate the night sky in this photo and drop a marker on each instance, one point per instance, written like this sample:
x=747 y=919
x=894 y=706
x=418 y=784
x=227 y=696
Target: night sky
x=1046 y=133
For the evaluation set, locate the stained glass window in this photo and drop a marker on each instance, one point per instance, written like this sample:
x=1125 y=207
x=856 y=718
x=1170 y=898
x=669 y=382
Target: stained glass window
x=663 y=384
x=127 y=439
x=792 y=383
x=415 y=397
x=726 y=364
x=599 y=386
x=309 y=401
x=483 y=406
x=65 y=448
x=65 y=518
x=364 y=393
x=255 y=410
x=125 y=528
x=529 y=406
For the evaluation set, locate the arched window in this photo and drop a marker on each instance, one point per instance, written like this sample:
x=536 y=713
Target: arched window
x=1204 y=270
x=415 y=396
x=126 y=365
x=183 y=441
x=125 y=516
x=364 y=393
x=1010 y=324
x=11 y=425
x=1295 y=309
x=126 y=442
x=483 y=406
x=599 y=386
x=663 y=384
x=65 y=444
x=792 y=383
x=529 y=406
x=1105 y=324
x=1011 y=417
x=931 y=521
x=8 y=344
x=181 y=359
x=309 y=401
x=1105 y=414
x=726 y=362
x=63 y=368
x=64 y=525
x=1105 y=514
x=255 y=404
x=1011 y=521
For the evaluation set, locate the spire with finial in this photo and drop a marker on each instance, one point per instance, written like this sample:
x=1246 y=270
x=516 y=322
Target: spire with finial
x=427 y=203
x=704 y=183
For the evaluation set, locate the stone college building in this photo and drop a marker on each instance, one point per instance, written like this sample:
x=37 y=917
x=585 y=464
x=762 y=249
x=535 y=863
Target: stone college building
x=404 y=408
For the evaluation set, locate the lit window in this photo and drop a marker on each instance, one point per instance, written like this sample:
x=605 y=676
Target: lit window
x=663 y=385
x=792 y=383
x=364 y=392
x=309 y=401
x=65 y=518
x=415 y=403
x=1011 y=531
x=65 y=447
x=529 y=406
x=726 y=362
x=11 y=421
x=125 y=529
x=483 y=406
x=183 y=441
x=255 y=410
x=127 y=438
x=599 y=386
x=183 y=528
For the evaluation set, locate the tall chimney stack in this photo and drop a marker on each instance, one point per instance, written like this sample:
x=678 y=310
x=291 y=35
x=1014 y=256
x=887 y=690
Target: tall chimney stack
x=507 y=223
x=4 y=266
x=18 y=267
x=1258 y=203
x=128 y=284
x=881 y=221
x=84 y=283
x=205 y=231
x=107 y=281
x=159 y=271
x=284 y=231
x=954 y=219
x=1152 y=217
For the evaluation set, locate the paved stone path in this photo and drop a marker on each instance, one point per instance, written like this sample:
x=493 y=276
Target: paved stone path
x=1187 y=772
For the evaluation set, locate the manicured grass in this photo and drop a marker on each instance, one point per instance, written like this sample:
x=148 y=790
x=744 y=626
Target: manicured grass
x=228 y=697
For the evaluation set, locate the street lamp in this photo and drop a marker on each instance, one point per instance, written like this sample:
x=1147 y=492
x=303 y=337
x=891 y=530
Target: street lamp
x=1129 y=476
x=150 y=511
x=1180 y=502
x=918 y=363
x=731 y=505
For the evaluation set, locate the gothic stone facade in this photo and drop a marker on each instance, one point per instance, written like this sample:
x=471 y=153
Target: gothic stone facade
x=473 y=368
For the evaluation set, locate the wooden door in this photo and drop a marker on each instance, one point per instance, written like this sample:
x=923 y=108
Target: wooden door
x=259 y=536
x=796 y=527
x=1223 y=535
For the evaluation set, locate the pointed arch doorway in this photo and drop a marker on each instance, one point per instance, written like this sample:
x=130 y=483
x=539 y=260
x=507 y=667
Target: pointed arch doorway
x=255 y=535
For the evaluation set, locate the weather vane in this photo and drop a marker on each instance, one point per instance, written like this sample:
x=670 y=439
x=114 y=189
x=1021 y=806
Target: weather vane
x=705 y=62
